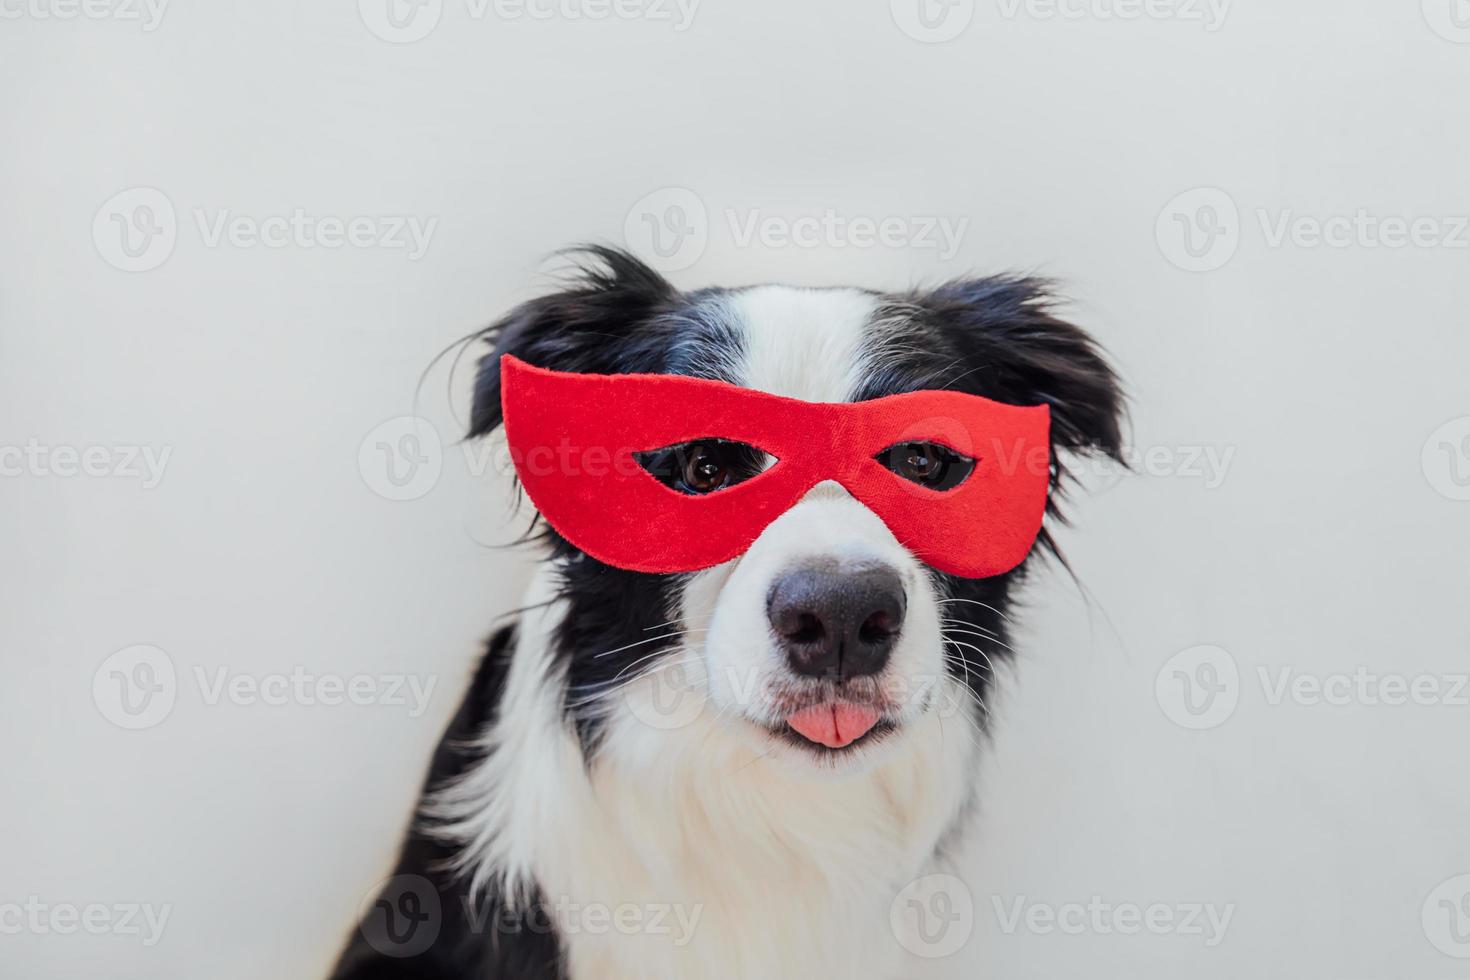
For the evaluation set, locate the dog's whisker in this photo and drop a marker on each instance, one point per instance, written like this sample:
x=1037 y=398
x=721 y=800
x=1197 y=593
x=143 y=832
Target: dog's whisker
x=692 y=656
x=963 y=629
x=977 y=602
x=966 y=663
x=652 y=656
x=690 y=629
x=969 y=692
x=972 y=727
x=963 y=662
x=974 y=739
x=961 y=626
x=989 y=665
x=1000 y=643
x=964 y=623
x=977 y=699
x=590 y=694
x=639 y=643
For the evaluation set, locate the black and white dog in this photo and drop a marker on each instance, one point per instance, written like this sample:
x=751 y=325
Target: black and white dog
x=617 y=796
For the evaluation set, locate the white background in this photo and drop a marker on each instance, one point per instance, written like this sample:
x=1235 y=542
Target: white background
x=1332 y=540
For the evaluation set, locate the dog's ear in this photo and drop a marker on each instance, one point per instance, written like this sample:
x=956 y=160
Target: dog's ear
x=1012 y=348
x=588 y=327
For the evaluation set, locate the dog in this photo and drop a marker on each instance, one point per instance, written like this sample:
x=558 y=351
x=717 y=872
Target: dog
x=730 y=772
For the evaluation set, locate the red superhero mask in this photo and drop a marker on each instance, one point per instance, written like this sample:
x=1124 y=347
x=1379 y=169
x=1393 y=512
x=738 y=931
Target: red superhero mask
x=632 y=469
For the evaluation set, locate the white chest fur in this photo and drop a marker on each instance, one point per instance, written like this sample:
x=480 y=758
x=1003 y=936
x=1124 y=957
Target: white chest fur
x=685 y=854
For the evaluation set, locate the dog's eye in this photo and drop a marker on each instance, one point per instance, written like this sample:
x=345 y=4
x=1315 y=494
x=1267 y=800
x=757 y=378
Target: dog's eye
x=702 y=466
x=928 y=464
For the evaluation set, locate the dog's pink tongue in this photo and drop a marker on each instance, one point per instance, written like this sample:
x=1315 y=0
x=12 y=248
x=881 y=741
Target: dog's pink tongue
x=833 y=725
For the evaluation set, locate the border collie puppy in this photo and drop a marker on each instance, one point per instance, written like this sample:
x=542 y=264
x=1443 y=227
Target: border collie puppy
x=620 y=794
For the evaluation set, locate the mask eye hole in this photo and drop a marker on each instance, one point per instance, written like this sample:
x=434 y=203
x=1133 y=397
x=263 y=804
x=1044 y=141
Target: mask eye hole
x=702 y=466
x=928 y=464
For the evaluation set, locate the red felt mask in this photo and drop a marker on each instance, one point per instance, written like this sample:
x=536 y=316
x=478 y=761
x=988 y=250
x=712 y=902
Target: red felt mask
x=576 y=441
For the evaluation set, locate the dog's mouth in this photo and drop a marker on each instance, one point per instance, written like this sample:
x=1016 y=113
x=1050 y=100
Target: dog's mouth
x=834 y=726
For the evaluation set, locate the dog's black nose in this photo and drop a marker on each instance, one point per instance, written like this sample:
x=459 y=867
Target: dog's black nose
x=834 y=623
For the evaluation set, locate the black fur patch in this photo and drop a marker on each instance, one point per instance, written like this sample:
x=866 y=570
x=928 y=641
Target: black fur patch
x=467 y=937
